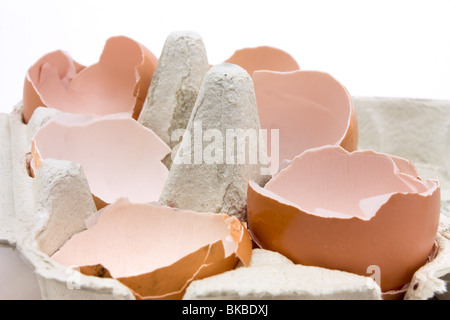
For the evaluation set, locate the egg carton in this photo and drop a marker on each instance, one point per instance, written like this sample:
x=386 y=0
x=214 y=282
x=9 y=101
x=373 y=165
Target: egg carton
x=38 y=215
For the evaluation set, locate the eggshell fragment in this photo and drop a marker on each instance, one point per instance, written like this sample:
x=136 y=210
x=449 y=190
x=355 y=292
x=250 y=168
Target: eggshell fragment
x=117 y=83
x=350 y=212
x=263 y=58
x=155 y=250
x=309 y=108
x=120 y=157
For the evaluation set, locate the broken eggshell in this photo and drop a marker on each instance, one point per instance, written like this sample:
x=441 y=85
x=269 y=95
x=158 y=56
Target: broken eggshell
x=309 y=108
x=117 y=83
x=356 y=212
x=120 y=157
x=263 y=58
x=156 y=251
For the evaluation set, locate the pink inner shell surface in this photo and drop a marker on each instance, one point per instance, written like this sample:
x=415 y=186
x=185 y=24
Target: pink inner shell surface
x=330 y=182
x=120 y=157
x=104 y=88
x=130 y=240
x=309 y=108
x=348 y=211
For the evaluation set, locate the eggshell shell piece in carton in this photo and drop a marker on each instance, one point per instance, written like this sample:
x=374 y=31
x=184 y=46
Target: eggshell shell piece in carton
x=348 y=211
x=120 y=157
x=117 y=83
x=309 y=108
x=263 y=58
x=154 y=250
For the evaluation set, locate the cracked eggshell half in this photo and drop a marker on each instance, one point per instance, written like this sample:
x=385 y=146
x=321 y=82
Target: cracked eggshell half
x=154 y=250
x=117 y=83
x=309 y=108
x=119 y=156
x=263 y=58
x=348 y=211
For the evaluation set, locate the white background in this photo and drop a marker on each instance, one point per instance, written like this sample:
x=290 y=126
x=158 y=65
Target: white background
x=377 y=48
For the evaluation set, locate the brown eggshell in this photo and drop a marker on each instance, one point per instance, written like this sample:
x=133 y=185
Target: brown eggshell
x=117 y=83
x=63 y=65
x=263 y=58
x=309 y=108
x=120 y=157
x=348 y=211
x=156 y=251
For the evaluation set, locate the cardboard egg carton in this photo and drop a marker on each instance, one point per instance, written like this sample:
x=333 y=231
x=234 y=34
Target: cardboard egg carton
x=39 y=214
